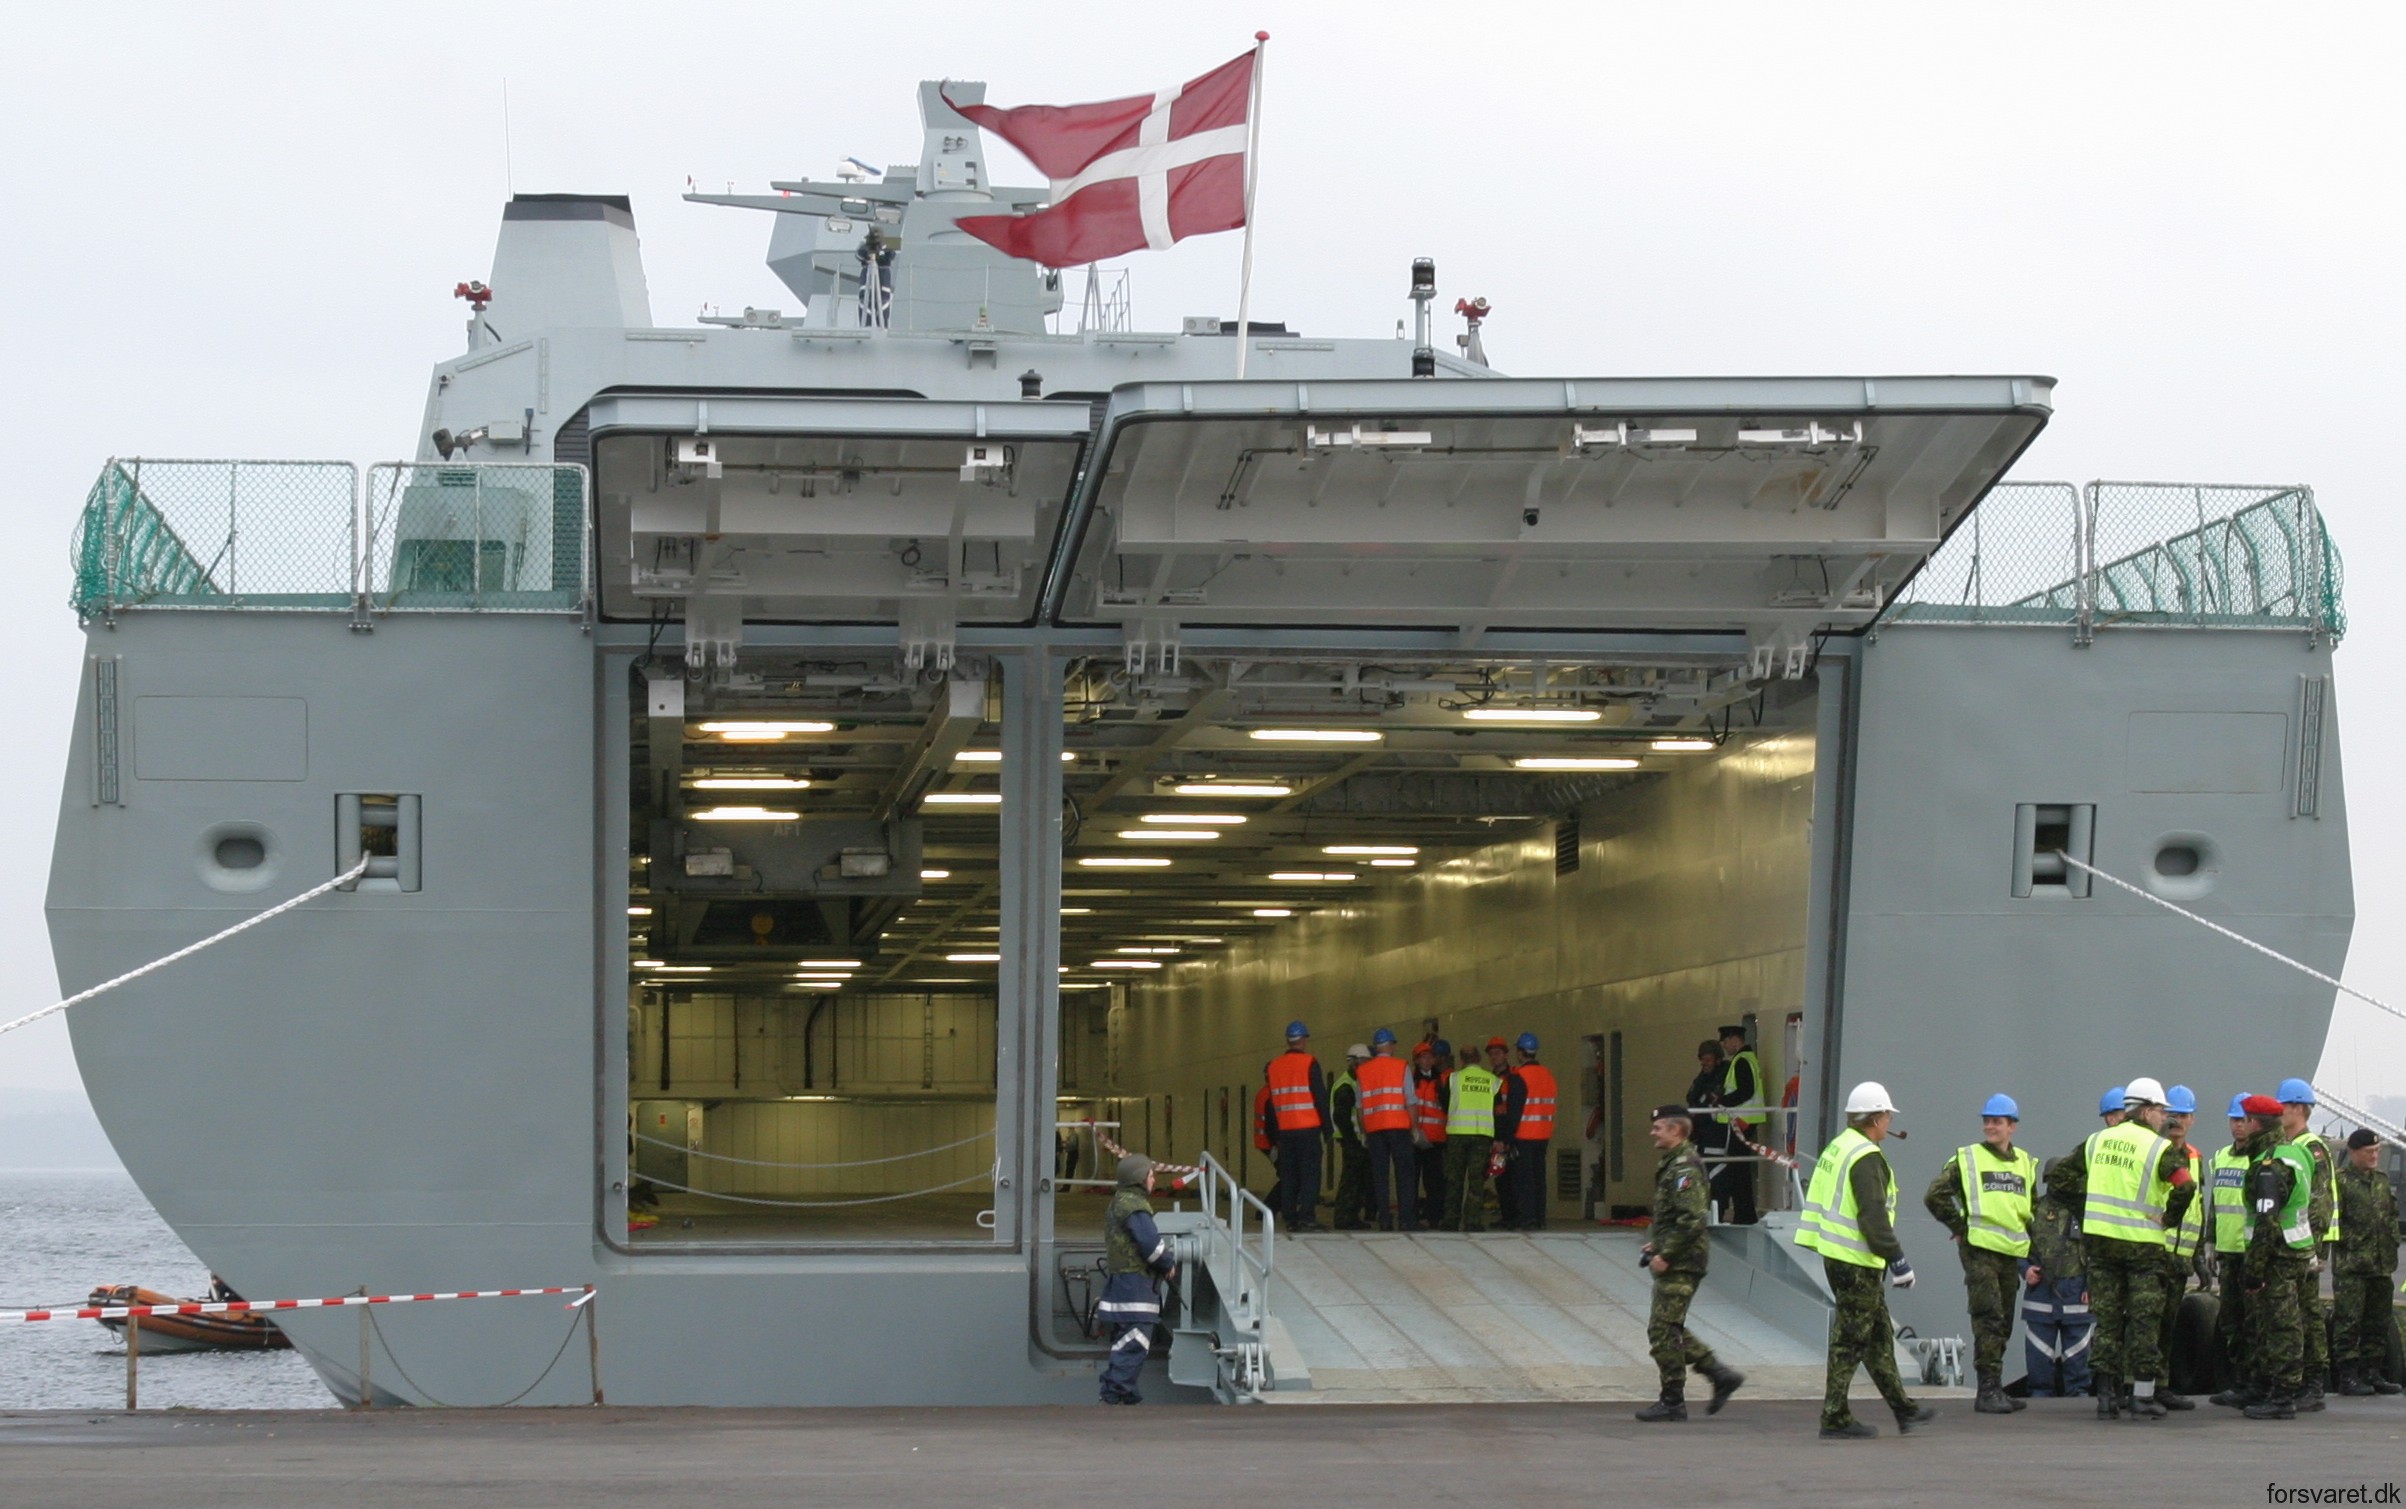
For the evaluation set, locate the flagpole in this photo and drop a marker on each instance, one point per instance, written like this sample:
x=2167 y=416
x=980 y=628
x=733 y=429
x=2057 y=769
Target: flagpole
x=1244 y=287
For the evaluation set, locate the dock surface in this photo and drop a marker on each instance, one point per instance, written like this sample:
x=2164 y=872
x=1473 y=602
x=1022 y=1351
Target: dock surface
x=1756 y=1454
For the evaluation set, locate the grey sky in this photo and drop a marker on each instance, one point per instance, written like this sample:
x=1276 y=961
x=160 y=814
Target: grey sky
x=233 y=231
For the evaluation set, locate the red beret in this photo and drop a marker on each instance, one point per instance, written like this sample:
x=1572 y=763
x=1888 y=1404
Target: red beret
x=2261 y=1105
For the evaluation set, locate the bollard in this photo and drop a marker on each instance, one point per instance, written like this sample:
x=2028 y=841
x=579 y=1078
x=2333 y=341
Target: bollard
x=593 y=1342
x=133 y=1363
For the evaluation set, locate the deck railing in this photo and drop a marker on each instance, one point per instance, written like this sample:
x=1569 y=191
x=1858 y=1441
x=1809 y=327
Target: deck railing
x=311 y=536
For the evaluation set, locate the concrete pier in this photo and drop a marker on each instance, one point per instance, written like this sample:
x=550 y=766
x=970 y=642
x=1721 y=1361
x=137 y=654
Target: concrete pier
x=1762 y=1453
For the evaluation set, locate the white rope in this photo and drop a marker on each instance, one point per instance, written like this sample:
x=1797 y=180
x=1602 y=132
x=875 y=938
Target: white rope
x=856 y=1163
x=913 y=1194
x=186 y=952
x=2361 y=1118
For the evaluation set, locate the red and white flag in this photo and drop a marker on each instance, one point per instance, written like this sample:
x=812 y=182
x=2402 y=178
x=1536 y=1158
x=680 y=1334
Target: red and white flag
x=1127 y=174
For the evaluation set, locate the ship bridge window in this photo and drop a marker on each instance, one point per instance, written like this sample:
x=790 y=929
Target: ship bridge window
x=813 y=924
x=1609 y=854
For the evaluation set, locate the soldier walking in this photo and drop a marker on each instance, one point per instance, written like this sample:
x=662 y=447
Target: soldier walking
x=1983 y=1196
x=1676 y=1257
x=2367 y=1264
x=2131 y=1182
x=1850 y=1219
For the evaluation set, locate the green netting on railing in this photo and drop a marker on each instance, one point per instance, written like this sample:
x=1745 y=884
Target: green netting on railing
x=2198 y=555
x=124 y=547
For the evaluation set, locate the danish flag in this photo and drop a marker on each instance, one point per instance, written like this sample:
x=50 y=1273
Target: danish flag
x=1127 y=174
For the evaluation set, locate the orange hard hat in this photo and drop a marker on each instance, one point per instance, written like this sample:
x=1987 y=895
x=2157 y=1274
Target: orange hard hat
x=1497 y=1042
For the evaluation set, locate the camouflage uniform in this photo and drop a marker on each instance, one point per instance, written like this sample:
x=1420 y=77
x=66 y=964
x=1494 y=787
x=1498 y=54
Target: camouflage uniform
x=1681 y=1204
x=2367 y=1261
x=1992 y=1281
x=2315 y=1317
x=2280 y=1280
x=2126 y=1289
x=1861 y=1335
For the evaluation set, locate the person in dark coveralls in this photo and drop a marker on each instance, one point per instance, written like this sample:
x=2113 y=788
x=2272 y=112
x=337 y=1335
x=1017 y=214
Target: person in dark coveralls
x=1741 y=1089
x=2132 y=1182
x=1982 y=1196
x=1710 y=1136
x=2225 y=1195
x=2366 y=1266
x=1135 y=1253
x=1300 y=1124
x=2282 y=1238
x=1850 y=1219
x=1676 y=1257
x=1353 y=1154
x=2056 y=1326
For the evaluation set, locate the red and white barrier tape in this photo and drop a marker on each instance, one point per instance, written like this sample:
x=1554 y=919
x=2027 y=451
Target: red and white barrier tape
x=584 y=1292
x=1188 y=1172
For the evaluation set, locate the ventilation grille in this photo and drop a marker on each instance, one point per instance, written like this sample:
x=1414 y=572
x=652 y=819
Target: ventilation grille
x=1566 y=1174
x=1566 y=845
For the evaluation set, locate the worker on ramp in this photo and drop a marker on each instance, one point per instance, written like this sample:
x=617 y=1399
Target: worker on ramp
x=1676 y=1256
x=1850 y=1219
x=1134 y=1252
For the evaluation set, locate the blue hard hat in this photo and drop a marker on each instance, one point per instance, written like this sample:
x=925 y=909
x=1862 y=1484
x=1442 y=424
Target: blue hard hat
x=2295 y=1092
x=1381 y=1037
x=2180 y=1100
x=2001 y=1105
x=2110 y=1102
x=2238 y=1105
x=1296 y=1030
x=1444 y=1048
x=1527 y=1043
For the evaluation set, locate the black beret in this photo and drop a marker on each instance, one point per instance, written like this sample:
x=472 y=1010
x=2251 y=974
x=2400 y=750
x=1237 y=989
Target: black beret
x=1732 y=1031
x=2363 y=1137
x=1673 y=1112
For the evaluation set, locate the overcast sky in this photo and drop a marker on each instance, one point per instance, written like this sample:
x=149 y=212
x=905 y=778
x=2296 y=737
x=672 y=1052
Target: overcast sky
x=233 y=231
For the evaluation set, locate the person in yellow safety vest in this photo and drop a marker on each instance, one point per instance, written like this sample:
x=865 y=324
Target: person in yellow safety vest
x=1741 y=1089
x=2297 y=1108
x=1469 y=1134
x=2183 y=1240
x=2226 y=1195
x=2130 y=1182
x=1983 y=1197
x=1849 y=1218
x=2281 y=1241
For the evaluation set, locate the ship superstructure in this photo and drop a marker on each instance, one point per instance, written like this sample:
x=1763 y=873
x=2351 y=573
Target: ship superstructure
x=813 y=766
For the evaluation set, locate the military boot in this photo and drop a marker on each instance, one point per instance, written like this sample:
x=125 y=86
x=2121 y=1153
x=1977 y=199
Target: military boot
x=2309 y=1398
x=2355 y=1385
x=2145 y=1406
x=1852 y=1430
x=2109 y=1395
x=2237 y=1396
x=1907 y=1419
x=2272 y=1407
x=1726 y=1381
x=1991 y=1399
x=2171 y=1400
x=2381 y=1385
x=1673 y=1405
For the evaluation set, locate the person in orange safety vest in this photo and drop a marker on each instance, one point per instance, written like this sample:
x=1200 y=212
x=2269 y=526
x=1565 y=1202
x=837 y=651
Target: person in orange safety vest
x=1299 y=1121
x=1532 y=1138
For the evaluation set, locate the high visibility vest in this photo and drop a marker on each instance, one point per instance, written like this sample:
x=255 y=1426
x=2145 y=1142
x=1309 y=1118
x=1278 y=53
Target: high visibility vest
x=1996 y=1198
x=1473 y=1111
x=1729 y=1087
x=1290 y=1076
x=1386 y=1095
x=1428 y=1114
x=1831 y=1225
x=2330 y=1161
x=1346 y=1081
x=2126 y=1194
x=1537 y=1104
x=1261 y=1118
x=2182 y=1240
x=2228 y=1190
x=2295 y=1218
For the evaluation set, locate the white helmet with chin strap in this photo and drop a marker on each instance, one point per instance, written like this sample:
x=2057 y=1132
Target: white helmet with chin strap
x=1868 y=1098
x=2142 y=1092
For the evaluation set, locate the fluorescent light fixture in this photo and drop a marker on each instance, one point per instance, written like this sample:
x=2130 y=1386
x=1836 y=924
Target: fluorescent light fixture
x=827 y=964
x=1126 y=964
x=684 y=969
x=777 y=726
x=1123 y=862
x=935 y=874
x=1371 y=849
x=1312 y=875
x=1318 y=735
x=973 y=958
x=1194 y=819
x=1532 y=715
x=978 y=757
x=961 y=799
x=1233 y=788
x=1394 y=864
x=750 y=783
x=744 y=815
x=1139 y=948
x=1575 y=762
x=1077 y=911
x=1682 y=746
x=1085 y=985
x=1178 y=835
x=647 y=964
x=1273 y=911
x=639 y=911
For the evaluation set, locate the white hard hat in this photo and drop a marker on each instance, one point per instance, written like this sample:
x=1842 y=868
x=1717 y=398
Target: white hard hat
x=1868 y=1097
x=2143 y=1092
x=1358 y=1050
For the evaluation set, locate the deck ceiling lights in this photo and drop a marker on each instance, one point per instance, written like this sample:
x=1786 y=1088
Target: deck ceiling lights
x=994 y=757
x=1077 y=911
x=745 y=815
x=1141 y=948
x=764 y=730
x=1232 y=788
x=1394 y=864
x=1681 y=746
x=749 y=783
x=1532 y=715
x=1316 y=736
x=1171 y=835
x=1273 y=911
x=1575 y=762
x=1126 y=964
x=639 y=911
x=935 y=874
x=1330 y=875
x=1194 y=819
x=1123 y=862
x=962 y=799
x=973 y=958
x=1371 y=849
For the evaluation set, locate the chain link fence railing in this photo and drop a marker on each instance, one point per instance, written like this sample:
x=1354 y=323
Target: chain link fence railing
x=305 y=536
x=2190 y=555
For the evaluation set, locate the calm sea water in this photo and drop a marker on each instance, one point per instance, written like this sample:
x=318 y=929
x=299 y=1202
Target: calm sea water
x=62 y=1233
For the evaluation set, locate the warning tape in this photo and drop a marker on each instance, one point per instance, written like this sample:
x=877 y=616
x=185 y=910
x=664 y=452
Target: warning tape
x=585 y=1295
x=1190 y=1171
